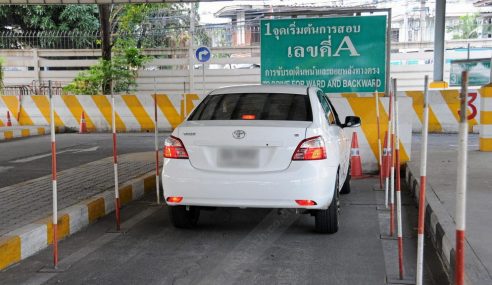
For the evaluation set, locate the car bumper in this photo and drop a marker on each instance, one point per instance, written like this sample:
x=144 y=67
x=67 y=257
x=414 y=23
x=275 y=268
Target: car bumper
x=303 y=180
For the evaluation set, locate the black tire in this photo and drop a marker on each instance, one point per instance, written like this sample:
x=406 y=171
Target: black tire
x=182 y=218
x=327 y=221
x=346 y=185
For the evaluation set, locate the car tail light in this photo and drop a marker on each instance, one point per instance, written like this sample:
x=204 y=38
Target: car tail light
x=310 y=149
x=248 y=117
x=174 y=199
x=306 y=202
x=174 y=148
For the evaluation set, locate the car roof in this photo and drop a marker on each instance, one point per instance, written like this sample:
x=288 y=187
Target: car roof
x=258 y=88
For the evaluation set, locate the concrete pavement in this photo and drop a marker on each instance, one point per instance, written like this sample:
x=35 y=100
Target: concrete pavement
x=441 y=194
x=233 y=246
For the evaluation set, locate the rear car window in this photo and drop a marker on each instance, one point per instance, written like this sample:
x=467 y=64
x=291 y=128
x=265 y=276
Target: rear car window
x=254 y=106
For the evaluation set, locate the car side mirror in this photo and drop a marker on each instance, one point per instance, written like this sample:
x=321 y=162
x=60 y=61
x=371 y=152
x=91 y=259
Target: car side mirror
x=351 y=122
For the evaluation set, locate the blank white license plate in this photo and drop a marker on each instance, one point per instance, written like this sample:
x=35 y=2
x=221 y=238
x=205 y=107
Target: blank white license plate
x=238 y=158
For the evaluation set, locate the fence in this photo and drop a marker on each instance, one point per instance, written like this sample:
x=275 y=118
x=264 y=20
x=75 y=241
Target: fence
x=169 y=67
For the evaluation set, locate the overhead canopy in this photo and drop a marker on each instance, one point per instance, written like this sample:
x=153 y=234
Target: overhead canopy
x=54 y=2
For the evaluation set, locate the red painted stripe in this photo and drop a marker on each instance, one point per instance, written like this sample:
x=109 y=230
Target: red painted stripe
x=117 y=210
x=55 y=244
x=422 y=205
x=53 y=161
x=400 y=256
x=460 y=258
x=115 y=151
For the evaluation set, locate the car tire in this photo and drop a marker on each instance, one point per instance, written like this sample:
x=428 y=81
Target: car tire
x=327 y=221
x=346 y=185
x=182 y=218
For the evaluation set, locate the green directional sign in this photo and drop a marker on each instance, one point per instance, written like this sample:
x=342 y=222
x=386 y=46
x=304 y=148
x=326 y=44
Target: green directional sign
x=343 y=54
x=478 y=71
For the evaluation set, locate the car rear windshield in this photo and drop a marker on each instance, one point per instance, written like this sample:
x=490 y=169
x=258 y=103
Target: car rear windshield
x=254 y=106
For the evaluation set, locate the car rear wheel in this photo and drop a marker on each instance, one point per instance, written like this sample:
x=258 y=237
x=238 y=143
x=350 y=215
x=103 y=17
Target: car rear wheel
x=346 y=185
x=184 y=218
x=327 y=221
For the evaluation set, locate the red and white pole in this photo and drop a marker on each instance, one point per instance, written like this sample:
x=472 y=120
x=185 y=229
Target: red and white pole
x=53 y=178
x=156 y=144
x=115 y=163
x=392 y=162
x=388 y=151
x=399 y=231
x=423 y=174
x=376 y=98
x=461 y=184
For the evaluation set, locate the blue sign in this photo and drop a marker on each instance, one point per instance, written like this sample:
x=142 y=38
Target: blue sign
x=203 y=54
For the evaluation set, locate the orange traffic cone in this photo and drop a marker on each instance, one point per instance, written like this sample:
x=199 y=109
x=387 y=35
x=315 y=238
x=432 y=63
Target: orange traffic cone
x=356 y=165
x=9 y=123
x=83 y=125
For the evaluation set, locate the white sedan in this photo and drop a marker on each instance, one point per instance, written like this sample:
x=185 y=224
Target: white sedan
x=259 y=146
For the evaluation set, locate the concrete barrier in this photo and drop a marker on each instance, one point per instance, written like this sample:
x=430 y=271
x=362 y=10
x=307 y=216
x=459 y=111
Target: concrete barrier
x=7 y=133
x=486 y=118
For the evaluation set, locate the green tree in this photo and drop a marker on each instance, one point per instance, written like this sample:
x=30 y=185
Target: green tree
x=467 y=27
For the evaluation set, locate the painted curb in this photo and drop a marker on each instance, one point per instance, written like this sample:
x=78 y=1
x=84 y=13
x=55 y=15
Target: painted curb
x=442 y=228
x=21 y=243
x=7 y=133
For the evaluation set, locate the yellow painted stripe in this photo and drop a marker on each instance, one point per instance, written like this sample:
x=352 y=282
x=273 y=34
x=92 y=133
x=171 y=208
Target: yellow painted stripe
x=8 y=135
x=149 y=184
x=126 y=194
x=486 y=117
x=485 y=144
x=369 y=123
x=76 y=109
x=25 y=132
x=41 y=131
x=486 y=92
x=13 y=105
x=63 y=227
x=190 y=105
x=418 y=107
x=350 y=95
x=10 y=250
x=96 y=209
x=451 y=97
x=166 y=106
x=1 y=123
x=146 y=123
x=102 y=102
x=43 y=105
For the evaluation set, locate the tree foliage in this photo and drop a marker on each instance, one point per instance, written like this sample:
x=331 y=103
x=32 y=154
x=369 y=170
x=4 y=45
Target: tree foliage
x=467 y=27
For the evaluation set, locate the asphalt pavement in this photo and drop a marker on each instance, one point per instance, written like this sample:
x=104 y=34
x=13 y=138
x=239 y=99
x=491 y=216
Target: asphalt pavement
x=234 y=246
x=29 y=158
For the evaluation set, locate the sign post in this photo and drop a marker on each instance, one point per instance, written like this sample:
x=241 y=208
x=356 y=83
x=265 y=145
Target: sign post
x=203 y=54
x=341 y=54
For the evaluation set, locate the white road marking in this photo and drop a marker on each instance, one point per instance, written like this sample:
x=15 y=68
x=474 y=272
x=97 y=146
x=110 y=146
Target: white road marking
x=5 y=168
x=36 y=157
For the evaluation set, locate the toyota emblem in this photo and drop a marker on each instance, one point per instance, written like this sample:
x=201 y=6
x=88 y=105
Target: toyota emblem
x=238 y=134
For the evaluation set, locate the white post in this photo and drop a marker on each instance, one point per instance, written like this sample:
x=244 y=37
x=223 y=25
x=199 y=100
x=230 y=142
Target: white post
x=115 y=162
x=53 y=178
x=461 y=183
x=399 y=230
x=388 y=152
x=392 y=162
x=379 y=141
x=423 y=181
x=191 y=65
x=156 y=145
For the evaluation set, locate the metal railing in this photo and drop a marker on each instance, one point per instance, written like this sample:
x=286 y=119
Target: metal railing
x=35 y=88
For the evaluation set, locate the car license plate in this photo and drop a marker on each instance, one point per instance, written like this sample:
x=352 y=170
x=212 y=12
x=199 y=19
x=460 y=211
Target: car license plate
x=238 y=158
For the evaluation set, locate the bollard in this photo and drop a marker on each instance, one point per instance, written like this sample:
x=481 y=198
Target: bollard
x=392 y=162
x=399 y=232
x=461 y=184
x=156 y=145
x=115 y=162
x=376 y=99
x=389 y=151
x=53 y=178
x=423 y=173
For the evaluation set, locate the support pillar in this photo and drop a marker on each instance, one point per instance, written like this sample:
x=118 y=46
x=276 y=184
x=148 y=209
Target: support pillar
x=439 y=33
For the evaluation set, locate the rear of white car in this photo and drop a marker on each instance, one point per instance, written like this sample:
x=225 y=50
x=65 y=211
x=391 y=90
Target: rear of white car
x=256 y=146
